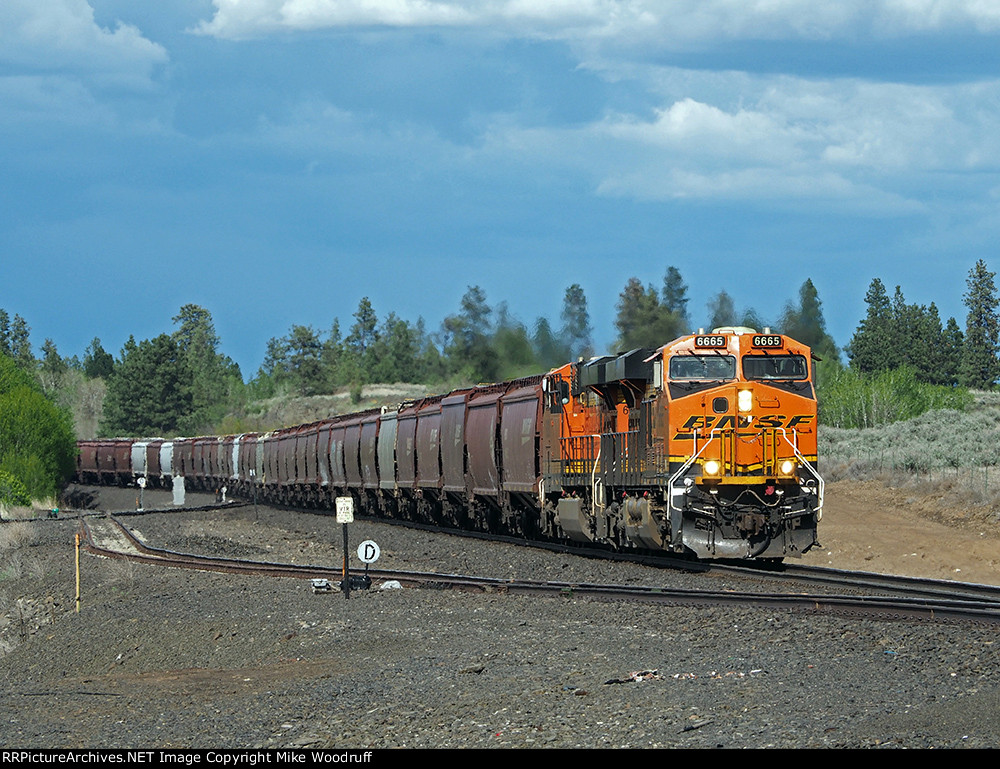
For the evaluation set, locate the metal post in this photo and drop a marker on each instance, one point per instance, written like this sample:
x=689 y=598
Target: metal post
x=345 y=515
x=78 y=572
x=253 y=483
x=347 y=579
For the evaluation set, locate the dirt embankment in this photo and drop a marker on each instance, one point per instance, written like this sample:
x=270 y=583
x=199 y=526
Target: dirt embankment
x=871 y=527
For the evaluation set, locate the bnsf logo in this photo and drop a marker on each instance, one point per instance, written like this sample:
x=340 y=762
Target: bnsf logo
x=765 y=420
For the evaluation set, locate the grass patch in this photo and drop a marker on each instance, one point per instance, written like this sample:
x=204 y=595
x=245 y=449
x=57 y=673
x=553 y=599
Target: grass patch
x=17 y=535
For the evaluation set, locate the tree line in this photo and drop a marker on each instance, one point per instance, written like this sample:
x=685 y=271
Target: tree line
x=904 y=361
x=478 y=343
x=894 y=334
x=649 y=317
x=181 y=383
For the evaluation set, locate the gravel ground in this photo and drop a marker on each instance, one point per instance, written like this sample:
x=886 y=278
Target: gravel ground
x=168 y=658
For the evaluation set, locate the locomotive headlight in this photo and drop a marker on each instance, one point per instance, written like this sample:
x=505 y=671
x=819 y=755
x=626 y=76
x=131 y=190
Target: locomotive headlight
x=787 y=467
x=711 y=467
x=744 y=400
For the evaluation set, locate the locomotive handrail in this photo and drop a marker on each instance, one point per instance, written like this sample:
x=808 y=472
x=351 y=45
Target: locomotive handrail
x=595 y=481
x=676 y=534
x=684 y=468
x=819 y=478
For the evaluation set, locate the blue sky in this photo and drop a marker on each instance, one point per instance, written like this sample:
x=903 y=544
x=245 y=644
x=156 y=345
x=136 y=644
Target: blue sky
x=277 y=160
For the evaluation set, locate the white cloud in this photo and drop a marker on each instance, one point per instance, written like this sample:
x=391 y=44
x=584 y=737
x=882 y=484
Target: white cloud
x=766 y=185
x=878 y=148
x=668 y=23
x=56 y=35
x=701 y=131
x=248 y=18
x=930 y=15
x=881 y=149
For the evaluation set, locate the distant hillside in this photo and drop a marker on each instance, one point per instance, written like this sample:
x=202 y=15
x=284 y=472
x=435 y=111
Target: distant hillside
x=287 y=411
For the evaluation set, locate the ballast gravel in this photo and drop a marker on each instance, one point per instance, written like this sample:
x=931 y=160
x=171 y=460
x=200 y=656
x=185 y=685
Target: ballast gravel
x=168 y=658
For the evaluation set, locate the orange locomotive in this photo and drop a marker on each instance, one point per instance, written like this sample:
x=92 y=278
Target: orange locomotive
x=706 y=445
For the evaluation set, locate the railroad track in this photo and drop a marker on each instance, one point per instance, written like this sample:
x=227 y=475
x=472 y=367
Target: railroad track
x=109 y=537
x=887 y=583
x=782 y=573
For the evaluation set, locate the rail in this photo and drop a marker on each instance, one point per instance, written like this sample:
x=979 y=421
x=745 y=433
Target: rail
x=921 y=608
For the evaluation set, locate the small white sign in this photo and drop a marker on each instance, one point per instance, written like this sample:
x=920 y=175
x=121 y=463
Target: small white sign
x=368 y=551
x=345 y=509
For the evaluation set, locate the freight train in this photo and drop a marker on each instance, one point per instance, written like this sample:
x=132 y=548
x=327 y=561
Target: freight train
x=706 y=446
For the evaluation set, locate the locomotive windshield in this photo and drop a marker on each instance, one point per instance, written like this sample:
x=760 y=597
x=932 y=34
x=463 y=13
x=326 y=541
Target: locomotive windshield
x=689 y=367
x=775 y=367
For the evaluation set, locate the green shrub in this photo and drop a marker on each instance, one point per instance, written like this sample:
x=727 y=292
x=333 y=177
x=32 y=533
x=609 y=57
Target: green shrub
x=12 y=491
x=37 y=444
x=848 y=399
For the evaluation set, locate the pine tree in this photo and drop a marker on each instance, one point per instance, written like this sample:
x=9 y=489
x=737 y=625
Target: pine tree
x=20 y=344
x=804 y=322
x=953 y=341
x=633 y=314
x=364 y=332
x=468 y=336
x=870 y=349
x=394 y=356
x=903 y=330
x=576 y=330
x=675 y=298
x=432 y=363
x=151 y=393
x=980 y=367
x=928 y=351
x=642 y=321
x=97 y=362
x=514 y=350
x=721 y=310
x=305 y=353
x=52 y=368
x=549 y=349
x=213 y=376
x=196 y=328
x=275 y=363
x=334 y=358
